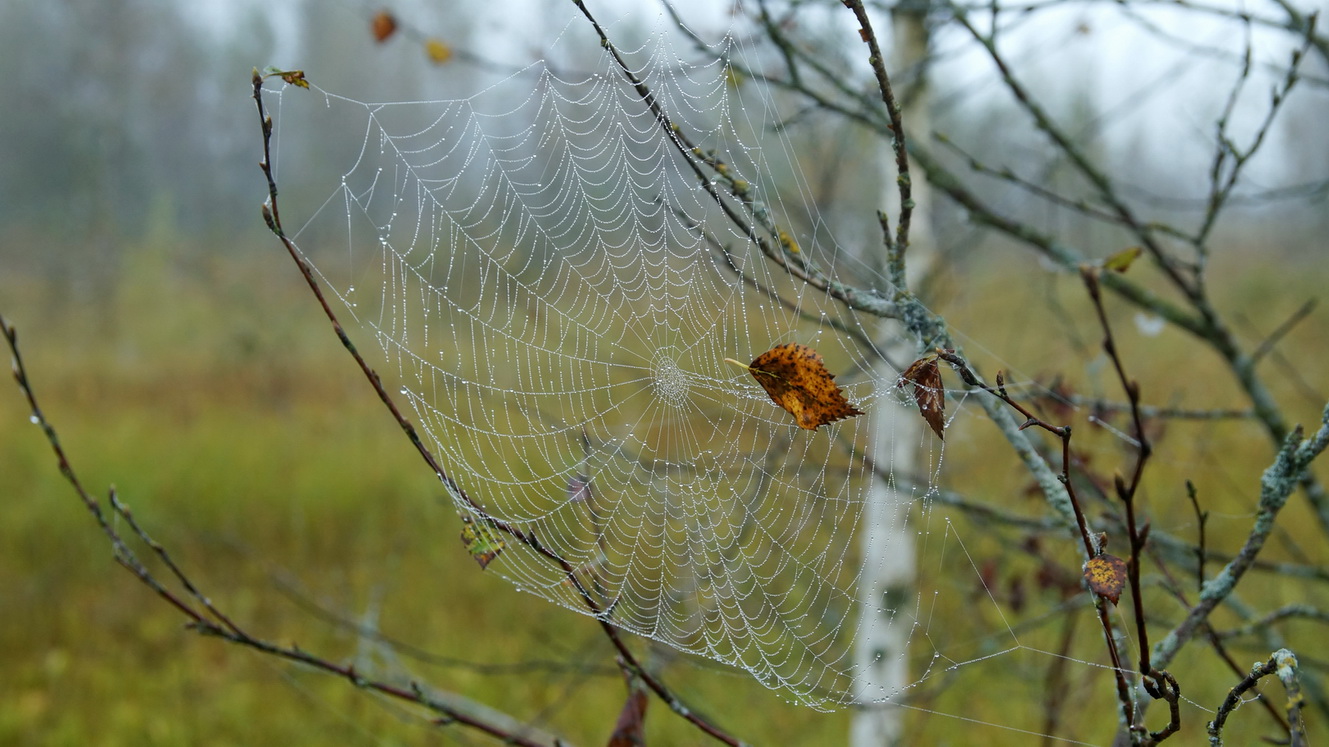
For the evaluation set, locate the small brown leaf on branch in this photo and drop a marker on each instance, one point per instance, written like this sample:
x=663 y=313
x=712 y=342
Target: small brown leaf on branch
x=295 y=78
x=384 y=26
x=925 y=375
x=292 y=77
x=481 y=541
x=1106 y=575
x=797 y=380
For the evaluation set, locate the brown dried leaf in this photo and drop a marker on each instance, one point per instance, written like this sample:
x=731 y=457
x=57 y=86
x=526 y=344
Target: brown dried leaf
x=797 y=380
x=630 y=731
x=384 y=26
x=292 y=77
x=1106 y=575
x=929 y=394
x=295 y=78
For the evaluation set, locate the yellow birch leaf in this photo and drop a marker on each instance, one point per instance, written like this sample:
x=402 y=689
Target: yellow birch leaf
x=438 y=50
x=1121 y=261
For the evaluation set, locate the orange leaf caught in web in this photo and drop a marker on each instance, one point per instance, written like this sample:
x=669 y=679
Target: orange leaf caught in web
x=383 y=26
x=797 y=380
x=925 y=375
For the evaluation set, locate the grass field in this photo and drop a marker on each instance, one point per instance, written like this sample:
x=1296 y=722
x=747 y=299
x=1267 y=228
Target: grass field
x=220 y=406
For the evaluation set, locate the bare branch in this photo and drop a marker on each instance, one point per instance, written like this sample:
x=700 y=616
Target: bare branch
x=1276 y=484
x=1284 y=664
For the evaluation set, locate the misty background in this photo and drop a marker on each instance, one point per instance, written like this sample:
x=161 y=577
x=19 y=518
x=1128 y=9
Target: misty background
x=128 y=118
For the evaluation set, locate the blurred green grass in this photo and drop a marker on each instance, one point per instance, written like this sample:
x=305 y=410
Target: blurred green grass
x=213 y=395
x=220 y=405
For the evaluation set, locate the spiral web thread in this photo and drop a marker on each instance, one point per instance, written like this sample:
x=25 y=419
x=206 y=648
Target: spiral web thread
x=556 y=295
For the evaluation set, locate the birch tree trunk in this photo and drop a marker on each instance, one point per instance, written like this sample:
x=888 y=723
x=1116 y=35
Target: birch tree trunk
x=887 y=594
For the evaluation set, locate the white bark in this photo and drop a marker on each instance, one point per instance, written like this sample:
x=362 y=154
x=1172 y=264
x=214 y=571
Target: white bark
x=887 y=595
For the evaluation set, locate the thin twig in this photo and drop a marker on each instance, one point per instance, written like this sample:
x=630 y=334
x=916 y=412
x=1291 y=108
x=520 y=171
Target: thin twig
x=897 y=247
x=1281 y=331
x=1201 y=518
x=1062 y=432
x=1288 y=612
x=1126 y=490
x=1276 y=485
x=1091 y=544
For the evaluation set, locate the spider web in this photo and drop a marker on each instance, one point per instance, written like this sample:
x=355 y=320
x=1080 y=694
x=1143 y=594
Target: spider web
x=556 y=294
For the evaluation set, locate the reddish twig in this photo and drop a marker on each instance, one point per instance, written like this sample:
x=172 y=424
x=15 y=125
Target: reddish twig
x=1062 y=432
x=1126 y=490
x=1091 y=544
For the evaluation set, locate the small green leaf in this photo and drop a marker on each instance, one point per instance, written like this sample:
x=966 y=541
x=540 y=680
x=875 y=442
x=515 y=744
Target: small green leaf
x=481 y=541
x=1121 y=261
